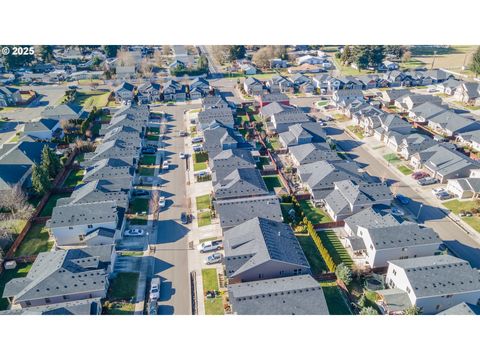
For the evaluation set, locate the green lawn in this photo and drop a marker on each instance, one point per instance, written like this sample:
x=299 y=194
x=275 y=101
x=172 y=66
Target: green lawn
x=153 y=130
x=335 y=301
x=148 y=160
x=200 y=157
x=274 y=143
x=123 y=286
x=321 y=103
x=203 y=202
x=204 y=218
x=285 y=209
x=210 y=279
x=392 y=158
x=348 y=70
x=405 y=170
x=120 y=308
x=89 y=99
x=152 y=137
x=51 y=203
x=199 y=166
x=74 y=178
x=139 y=205
x=36 y=241
x=214 y=306
x=262 y=161
x=272 y=181
x=314 y=214
x=146 y=171
x=356 y=130
x=7 y=275
x=311 y=252
x=335 y=247
x=456 y=206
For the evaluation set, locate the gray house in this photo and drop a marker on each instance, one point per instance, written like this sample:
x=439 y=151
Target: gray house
x=240 y=183
x=293 y=295
x=64 y=112
x=63 y=276
x=222 y=115
x=236 y=211
x=124 y=93
x=302 y=133
x=312 y=152
x=263 y=249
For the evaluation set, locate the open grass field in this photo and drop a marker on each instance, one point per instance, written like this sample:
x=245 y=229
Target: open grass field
x=36 y=241
x=93 y=98
x=314 y=214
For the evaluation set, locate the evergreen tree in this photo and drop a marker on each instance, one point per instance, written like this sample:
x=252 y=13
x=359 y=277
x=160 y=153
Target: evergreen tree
x=40 y=180
x=413 y=310
x=50 y=162
x=236 y=52
x=368 y=311
x=344 y=273
x=111 y=50
x=475 y=65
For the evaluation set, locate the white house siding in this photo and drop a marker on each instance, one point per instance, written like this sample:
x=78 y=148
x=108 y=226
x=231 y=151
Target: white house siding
x=61 y=299
x=269 y=270
x=65 y=236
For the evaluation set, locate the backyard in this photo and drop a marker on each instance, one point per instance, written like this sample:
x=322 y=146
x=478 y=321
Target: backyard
x=272 y=181
x=210 y=282
x=93 y=98
x=21 y=271
x=146 y=170
x=335 y=248
x=200 y=161
x=74 y=178
x=311 y=252
x=335 y=301
x=148 y=160
x=314 y=214
x=456 y=206
x=121 y=294
x=51 y=203
x=138 y=211
x=36 y=241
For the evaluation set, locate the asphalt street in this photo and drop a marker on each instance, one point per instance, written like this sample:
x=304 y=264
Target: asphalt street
x=170 y=260
x=458 y=240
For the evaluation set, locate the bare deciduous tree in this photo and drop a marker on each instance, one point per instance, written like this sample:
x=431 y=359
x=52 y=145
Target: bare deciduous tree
x=125 y=58
x=146 y=68
x=166 y=50
x=154 y=203
x=15 y=201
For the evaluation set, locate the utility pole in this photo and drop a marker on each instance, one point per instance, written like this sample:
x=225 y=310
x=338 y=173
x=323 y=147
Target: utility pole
x=434 y=56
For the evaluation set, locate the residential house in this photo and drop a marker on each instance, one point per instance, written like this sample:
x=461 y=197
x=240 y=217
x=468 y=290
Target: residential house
x=268 y=98
x=279 y=84
x=464 y=188
x=388 y=65
x=470 y=139
x=248 y=69
x=43 y=129
x=214 y=101
x=319 y=177
x=302 y=133
x=63 y=276
x=79 y=307
x=468 y=93
x=126 y=134
x=462 y=309
x=280 y=121
x=273 y=108
x=9 y=96
x=109 y=168
x=347 y=95
x=425 y=111
x=219 y=138
x=373 y=245
x=408 y=101
x=309 y=59
x=444 y=162
x=225 y=162
x=449 y=86
x=451 y=124
x=17 y=160
x=174 y=91
x=72 y=224
x=124 y=93
x=390 y=96
x=125 y=72
x=253 y=86
x=262 y=249
x=431 y=283
x=65 y=111
x=311 y=152
x=293 y=295
x=113 y=149
x=388 y=124
x=350 y=197
x=211 y=116
x=234 y=212
x=414 y=143
x=240 y=183
x=278 y=63
x=149 y=92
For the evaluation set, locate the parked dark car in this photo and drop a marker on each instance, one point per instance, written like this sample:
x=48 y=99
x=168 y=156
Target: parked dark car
x=402 y=199
x=185 y=218
x=148 y=150
x=140 y=192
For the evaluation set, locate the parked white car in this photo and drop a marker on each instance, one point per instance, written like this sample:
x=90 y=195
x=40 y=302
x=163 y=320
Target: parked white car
x=438 y=190
x=183 y=155
x=134 y=232
x=161 y=201
x=210 y=246
x=213 y=259
x=166 y=165
x=155 y=288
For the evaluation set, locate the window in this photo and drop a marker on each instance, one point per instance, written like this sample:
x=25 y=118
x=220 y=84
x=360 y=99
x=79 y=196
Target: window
x=70 y=228
x=47 y=300
x=394 y=272
x=408 y=290
x=90 y=226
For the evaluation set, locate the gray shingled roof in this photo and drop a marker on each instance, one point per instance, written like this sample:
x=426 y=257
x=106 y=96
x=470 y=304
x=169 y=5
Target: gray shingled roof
x=228 y=160
x=219 y=137
x=221 y=115
x=323 y=174
x=43 y=124
x=370 y=218
x=445 y=160
x=462 y=309
x=313 y=152
x=94 y=192
x=83 y=214
x=258 y=241
x=438 y=275
x=274 y=108
x=63 y=272
x=77 y=307
x=237 y=211
x=65 y=110
x=453 y=122
x=213 y=101
x=240 y=183
x=294 y=295
x=113 y=149
x=110 y=168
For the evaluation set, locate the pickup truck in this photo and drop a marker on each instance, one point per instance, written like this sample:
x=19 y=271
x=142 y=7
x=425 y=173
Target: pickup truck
x=210 y=246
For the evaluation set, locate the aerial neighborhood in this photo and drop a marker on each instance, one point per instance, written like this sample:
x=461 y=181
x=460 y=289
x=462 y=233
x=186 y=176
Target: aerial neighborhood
x=240 y=180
